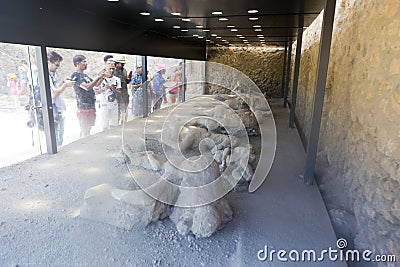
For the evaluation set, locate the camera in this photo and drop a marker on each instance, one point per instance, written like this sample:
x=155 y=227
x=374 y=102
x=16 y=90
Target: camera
x=111 y=98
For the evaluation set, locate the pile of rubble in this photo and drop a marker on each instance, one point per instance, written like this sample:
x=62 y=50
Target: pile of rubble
x=202 y=154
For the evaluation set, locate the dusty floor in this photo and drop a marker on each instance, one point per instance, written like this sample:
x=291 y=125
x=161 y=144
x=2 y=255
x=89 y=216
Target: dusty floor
x=40 y=199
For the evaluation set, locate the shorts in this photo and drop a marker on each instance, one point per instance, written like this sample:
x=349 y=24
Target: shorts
x=86 y=117
x=173 y=90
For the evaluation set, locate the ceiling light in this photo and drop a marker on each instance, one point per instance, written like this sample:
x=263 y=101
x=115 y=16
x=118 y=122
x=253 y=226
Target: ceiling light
x=218 y=37
x=234 y=30
x=258 y=30
x=186 y=20
x=230 y=26
x=217 y=13
x=158 y=20
x=253 y=18
x=252 y=11
x=257 y=26
x=145 y=13
x=175 y=14
x=195 y=35
x=177 y=27
x=223 y=40
x=199 y=26
x=208 y=40
x=259 y=35
x=242 y=37
x=184 y=30
x=200 y=37
x=213 y=34
x=113 y=0
x=206 y=30
x=223 y=19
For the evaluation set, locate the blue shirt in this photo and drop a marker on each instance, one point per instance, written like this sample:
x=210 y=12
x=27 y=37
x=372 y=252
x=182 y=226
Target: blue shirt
x=136 y=79
x=158 y=83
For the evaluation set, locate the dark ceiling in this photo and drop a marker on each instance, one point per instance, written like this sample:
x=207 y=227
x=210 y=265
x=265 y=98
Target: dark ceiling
x=102 y=25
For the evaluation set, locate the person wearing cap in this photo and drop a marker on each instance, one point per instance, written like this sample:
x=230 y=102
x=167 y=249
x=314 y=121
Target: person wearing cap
x=123 y=98
x=85 y=95
x=158 y=86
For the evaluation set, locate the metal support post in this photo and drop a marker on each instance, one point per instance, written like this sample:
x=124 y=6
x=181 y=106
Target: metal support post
x=296 y=72
x=144 y=87
x=47 y=102
x=183 y=90
x=289 y=63
x=319 y=91
x=284 y=71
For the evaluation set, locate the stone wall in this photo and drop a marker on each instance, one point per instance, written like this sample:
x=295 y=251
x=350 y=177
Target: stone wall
x=263 y=65
x=359 y=151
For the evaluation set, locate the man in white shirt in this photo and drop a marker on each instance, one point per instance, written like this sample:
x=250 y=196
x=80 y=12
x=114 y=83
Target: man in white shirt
x=107 y=92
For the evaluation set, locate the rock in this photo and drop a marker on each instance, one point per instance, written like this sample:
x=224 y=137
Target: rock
x=233 y=103
x=148 y=160
x=128 y=208
x=206 y=221
x=201 y=220
x=244 y=175
x=343 y=222
x=192 y=138
x=258 y=103
x=207 y=123
x=140 y=178
x=261 y=115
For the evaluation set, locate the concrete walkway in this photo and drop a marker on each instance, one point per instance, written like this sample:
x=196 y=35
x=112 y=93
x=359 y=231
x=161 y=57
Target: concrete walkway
x=41 y=196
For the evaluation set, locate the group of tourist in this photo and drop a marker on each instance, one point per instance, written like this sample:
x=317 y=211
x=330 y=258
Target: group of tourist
x=111 y=88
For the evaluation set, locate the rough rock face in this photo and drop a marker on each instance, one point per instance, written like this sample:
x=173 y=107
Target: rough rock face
x=124 y=208
x=359 y=150
x=263 y=65
x=202 y=221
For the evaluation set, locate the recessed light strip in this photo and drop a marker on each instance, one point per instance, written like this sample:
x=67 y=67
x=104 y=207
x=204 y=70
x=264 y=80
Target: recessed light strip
x=252 y=11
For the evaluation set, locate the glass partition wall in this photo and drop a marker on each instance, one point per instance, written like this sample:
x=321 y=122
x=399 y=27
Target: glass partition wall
x=169 y=82
x=21 y=135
